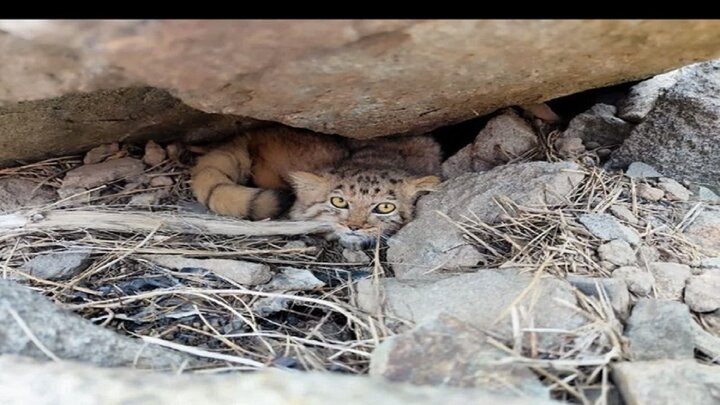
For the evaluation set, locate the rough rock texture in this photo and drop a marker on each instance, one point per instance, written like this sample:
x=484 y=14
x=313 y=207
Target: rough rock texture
x=674 y=191
x=446 y=351
x=154 y=154
x=504 y=138
x=18 y=193
x=667 y=382
x=569 y=147
x=704 y=194
x=100 y=153
x=241 y=272
x=681 y=133
x=617 y=252
x=431 y=242
x=660 y=329
x=290 y=278
x=57 y=265
x=649 y=192
x=355 y=256
x=28 y=382
x=459 y=163
x=641 y=99
x=615 y=290
x=89 y=176
x=68 y=336
x=606 y=227
x=624 y=213
x=705 y=230
x=354 y=78
x=702 y=293
x=641 y=170
x=76 y=122
x=480 y=298
x=599 y=124
x=638 y=281
x=670 y=279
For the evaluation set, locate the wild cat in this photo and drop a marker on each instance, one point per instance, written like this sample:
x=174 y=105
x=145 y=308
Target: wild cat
x=361 y=187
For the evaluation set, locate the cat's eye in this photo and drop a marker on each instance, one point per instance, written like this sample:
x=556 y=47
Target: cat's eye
x=384 y=208
x=338 y=202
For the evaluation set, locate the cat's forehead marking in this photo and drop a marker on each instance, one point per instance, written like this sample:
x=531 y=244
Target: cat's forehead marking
x=366 y=183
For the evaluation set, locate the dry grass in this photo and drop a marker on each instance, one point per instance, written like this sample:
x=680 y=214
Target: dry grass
x=192 y=310
x=215 y=319
x=525 y=234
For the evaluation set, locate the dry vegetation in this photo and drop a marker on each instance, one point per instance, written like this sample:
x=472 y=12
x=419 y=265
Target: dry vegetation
x=239 y=328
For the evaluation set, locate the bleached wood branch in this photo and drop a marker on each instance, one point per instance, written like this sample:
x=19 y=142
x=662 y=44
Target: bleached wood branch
x=143 y=222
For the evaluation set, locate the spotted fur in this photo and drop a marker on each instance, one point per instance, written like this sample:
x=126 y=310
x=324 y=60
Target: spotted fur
x=253 y=177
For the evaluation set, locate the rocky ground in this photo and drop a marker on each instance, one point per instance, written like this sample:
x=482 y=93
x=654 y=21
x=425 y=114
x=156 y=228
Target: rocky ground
x=565 y=258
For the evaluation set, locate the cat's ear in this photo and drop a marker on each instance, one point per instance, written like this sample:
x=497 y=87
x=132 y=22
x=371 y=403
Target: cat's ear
x=307 y=182
x=415 y=185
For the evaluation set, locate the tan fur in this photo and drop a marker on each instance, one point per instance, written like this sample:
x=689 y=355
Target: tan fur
x=317 y=167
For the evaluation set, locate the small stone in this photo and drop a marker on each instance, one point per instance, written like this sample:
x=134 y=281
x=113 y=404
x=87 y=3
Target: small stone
x=144 y=200
x=674 y=191
x=638 y=281
x=542 y=111
x=617 y=252
x=599 y=124
x=241 y=272
x=292 y=279
x=355 y=256
x=154 y=154
x=670 y=279
x=90 y=176
x=449 y=352
x=603 y=152
x=161 y=181
x=649 y=193
x=100 y=153
x=459 y=163
x=704 y=194
x=17 y=194
x=615 y=290
x=624 y=213
x=57 y=265
x=569 y=147
x=705 y=230
x=702 y=293
x=640 y=170
x=266 y=306
x=667 y=382
x=175 y=151
x=648 y=254
x=504 y=137
x=660 y=329
x=606 y=227
x=295 y=244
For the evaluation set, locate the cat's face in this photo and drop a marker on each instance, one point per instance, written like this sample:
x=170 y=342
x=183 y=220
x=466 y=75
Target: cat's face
x=361 y=204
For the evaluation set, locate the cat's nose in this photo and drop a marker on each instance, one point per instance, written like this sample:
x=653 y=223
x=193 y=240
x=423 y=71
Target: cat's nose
x=353 y=227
